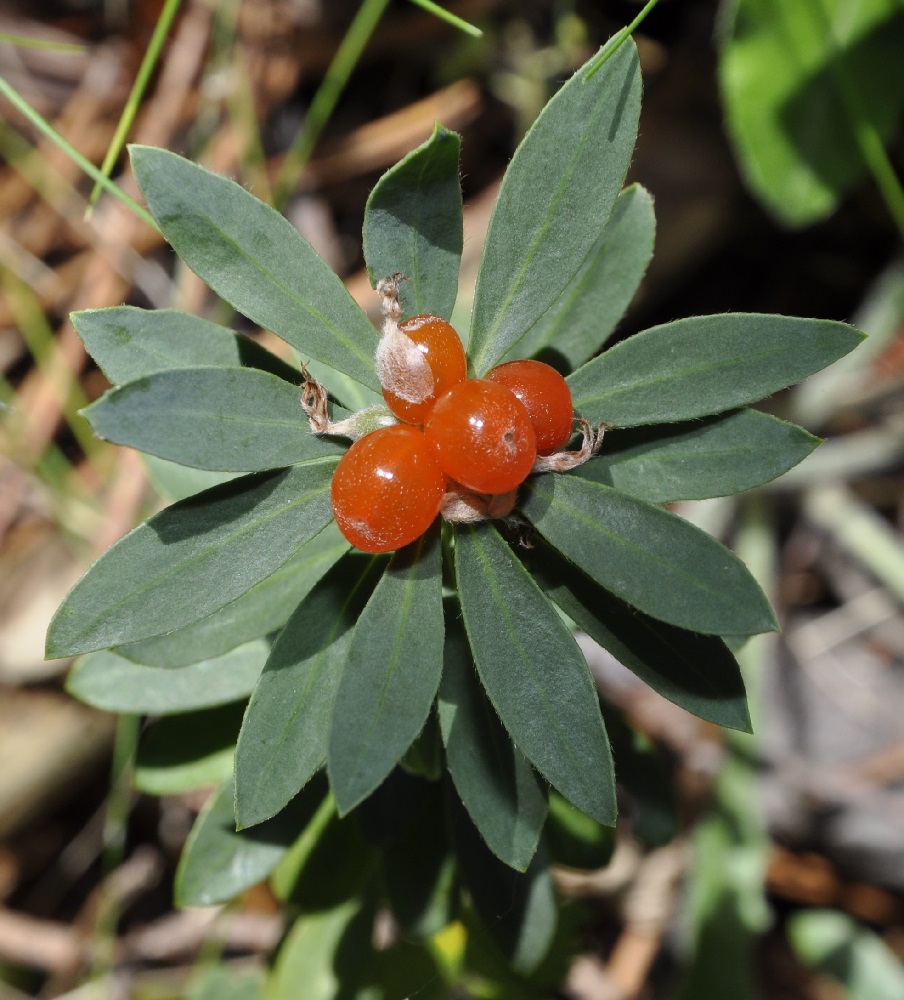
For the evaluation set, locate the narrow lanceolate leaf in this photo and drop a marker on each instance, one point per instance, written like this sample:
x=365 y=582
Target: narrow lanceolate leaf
x=705 y=364
x=262 y=610
x=192 y=559
x=554 y=201
x=128 y=343
x=116 y=684
x=284 y=736
x=185 y=752
x=586 y=312
x=224 y=419
x=257 y=261
x=655 y=561
x=692 y=670
x=391 y=675
x=714 y=457
x=534 y=672
x=219 y=862
x=413 y=225
x=517 y=909
x=498 y=787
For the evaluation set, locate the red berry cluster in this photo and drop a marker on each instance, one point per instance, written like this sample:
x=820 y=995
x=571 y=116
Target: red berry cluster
x=482 y=434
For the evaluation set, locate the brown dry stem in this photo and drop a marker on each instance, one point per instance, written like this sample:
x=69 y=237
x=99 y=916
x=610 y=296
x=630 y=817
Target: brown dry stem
x=564 y=461
x=315 y=403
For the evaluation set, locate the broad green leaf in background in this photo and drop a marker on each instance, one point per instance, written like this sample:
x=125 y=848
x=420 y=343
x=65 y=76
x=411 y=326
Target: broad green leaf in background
x=714 y=457
x=286 y=729
x=257 y=261
x=850 y=953
x=518 y=909
x=694 y=671
x=586 y=312
x=228 y=419
x=391 y=675
x=184 y=752
x=499 y=788
x=128 y=343
x=265 y=608
x=312 y=954
x=413 y=225
x=116 y=684
x=218 y=862
x=419 y=870
x=225 y=980
x=645 y=781
x=705 y=364
x=801 y=83
x=652 y=559
x=575 y=839
x=192 y=559
x=178 y=482
x=554 y=202
x=534 y=672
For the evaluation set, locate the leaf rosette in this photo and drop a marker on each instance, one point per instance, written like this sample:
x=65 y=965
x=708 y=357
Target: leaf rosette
x=453 y=656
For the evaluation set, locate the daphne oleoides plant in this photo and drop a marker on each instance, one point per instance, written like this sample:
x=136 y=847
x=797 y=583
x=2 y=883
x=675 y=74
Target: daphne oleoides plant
x=419 y=731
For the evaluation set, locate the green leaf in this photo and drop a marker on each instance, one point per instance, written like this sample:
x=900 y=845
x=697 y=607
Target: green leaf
x=802 y=84
x=554 y=201
x=225 y=981
x=182 y=753
x=714 y=457
x=534 y=672
x=265 y=608
x=645 y=781
x=517 y=909
x=420 y=870
x=855 y=956
x=178 y=482
x=588 y=309
x=192 y=559
x=116 y=684
x=128 y=343
x=694 y=671
x=313 y=954
x=704 y=364
x=655 y=561
x=391 y=676
x=219 y=862
x=575 y=839
x=499 y=788
x=257 y=261
x=413 y=225
x=286 y=729
x=329 y=863
x=224 y=419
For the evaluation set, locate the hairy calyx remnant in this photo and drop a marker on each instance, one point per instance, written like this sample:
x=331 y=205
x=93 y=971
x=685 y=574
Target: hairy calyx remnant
x=402 y=368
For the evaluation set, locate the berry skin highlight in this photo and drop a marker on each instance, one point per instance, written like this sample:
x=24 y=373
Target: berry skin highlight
x=546 y=397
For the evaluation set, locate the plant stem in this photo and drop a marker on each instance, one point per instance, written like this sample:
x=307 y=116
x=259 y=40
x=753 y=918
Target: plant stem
x=615 y=42
x=47 y=130
x=449 y=17
x=148 y=64
x=25 y=42
x=327 y=97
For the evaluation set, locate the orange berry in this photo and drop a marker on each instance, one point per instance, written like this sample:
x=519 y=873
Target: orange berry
x=443 y=351
x=387 y=489
x=546 y=397
x=482 y=434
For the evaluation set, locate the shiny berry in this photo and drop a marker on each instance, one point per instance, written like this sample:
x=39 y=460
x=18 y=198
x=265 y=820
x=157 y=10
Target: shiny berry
x=546 y=398
x=387 y=489
x=442 y=349
x=482 y=434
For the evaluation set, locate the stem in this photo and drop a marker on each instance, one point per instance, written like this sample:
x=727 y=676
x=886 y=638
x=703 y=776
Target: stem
x=47 y=130
x=25 y=42
x=327 y=97
x=615 y=42
x=449 y=17
x=148 y=64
